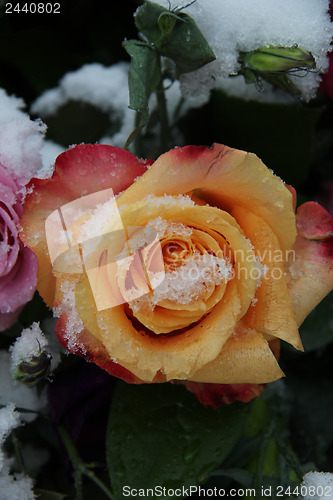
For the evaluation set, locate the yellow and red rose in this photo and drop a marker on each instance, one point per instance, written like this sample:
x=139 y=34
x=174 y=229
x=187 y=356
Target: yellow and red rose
x=260 y=269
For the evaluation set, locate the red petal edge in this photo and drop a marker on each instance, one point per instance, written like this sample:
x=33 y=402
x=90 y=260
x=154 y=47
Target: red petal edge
x=92 y=350
x=216 y=395
x=86 y=169
x=314 y=222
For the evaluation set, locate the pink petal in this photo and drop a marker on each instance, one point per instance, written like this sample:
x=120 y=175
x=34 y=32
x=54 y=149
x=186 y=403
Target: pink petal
x=8 y=319
x=310 y=267
x=18 y=287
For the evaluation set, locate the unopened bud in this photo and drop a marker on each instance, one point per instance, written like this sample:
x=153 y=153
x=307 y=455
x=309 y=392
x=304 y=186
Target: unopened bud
x=30 y=361
x=32 y=371
x=275 y=65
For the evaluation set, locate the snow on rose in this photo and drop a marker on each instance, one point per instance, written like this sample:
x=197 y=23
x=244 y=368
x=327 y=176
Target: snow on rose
x=222 y=329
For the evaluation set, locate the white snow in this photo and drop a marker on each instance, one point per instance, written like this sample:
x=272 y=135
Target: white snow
x=231 y=26
x=104 y=87
x=54 y=347
x=166 y=228
x=236 y=87
x=17 y=393
x=189 y=282
x=9 y=419
x=18 y=486
x=321 y=483
x=98 y=85
x=105 y=217
x=20 y=139
x=49 y=152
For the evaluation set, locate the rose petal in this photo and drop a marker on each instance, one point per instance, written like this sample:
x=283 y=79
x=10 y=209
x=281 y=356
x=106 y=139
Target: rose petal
x=245 y=358
x=156 y=358
x=10 y=243
x=19 y=285
x=197 y=217
x=216 y=395
x=294 y=193
x=92 y=350
x=310 y=273
x=272 y=313
x=224 y=177
x=80 y=171
x=314 y=222
x=8 y=319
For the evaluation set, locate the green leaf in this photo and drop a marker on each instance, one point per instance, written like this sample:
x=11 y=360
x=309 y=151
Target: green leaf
x=175 y=35
x=242 y=477
x=317 y=329
x=146 y=20
x=143 y=77
x=160 y=435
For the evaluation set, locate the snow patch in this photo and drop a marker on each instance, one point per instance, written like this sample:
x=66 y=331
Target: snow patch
x=233 y=26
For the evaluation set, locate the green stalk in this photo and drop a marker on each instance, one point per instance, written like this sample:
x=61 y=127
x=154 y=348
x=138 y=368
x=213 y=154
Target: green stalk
x=80 y=468
x=163 y=114
x=18 y=451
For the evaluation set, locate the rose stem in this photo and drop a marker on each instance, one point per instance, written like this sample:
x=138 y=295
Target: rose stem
x=163 y=113
x=80 y=468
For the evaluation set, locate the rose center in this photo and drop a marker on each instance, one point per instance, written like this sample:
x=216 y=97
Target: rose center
x=175 y=252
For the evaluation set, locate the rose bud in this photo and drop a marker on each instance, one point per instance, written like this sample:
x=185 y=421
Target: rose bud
x=30 y=362
x=34 y=370
x=273 y=64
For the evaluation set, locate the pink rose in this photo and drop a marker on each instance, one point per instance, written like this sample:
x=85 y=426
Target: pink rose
x=18 y=264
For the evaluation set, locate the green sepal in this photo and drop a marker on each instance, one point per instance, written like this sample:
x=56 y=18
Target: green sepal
x=167 y=21
x=274 y=65
x=274 y=59
x=32 y=371
x=174 y=35
x=143 y=77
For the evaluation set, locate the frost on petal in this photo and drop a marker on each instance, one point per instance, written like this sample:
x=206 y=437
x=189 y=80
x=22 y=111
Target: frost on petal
x=310 y=273
x=90 y=348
